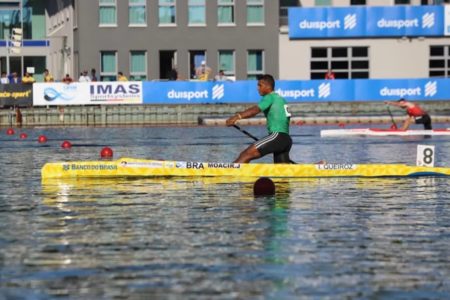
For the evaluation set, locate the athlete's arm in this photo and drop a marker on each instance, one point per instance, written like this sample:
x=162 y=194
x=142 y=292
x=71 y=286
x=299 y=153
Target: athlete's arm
x=392 y=103
x=407 y=122
x=248 y=113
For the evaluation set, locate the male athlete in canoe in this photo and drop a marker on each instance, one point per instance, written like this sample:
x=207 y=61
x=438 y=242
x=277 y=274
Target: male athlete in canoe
x=415 y=114
x=277 y=115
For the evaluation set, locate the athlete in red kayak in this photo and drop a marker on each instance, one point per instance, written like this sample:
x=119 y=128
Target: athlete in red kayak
x=415 y=114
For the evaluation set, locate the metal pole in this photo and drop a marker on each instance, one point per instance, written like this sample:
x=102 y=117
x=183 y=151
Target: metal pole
x=7 y=56
x=21 y=27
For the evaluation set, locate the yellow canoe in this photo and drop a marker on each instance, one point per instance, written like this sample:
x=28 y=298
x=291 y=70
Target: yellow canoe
x=131 y=167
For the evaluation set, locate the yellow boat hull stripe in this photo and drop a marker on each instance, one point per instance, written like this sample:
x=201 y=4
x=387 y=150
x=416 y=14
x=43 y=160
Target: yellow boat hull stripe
x=131 y=167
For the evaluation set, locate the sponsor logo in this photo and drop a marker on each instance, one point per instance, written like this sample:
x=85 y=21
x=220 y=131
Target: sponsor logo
x=398 y=24
x=115 y=91
x=224 y=165
x=401 y=92
x=172 y=94
x=324 y=90
x=181 y=164
x=430 y=88
x=296 y=93
x=350 y=22
x=335 y=166
x=218 y=91
x=153 y=164
x=320 y=25
x=108 y=89
x=15 y=95
x=66 y=93
x=428 y=20
x=83 y=167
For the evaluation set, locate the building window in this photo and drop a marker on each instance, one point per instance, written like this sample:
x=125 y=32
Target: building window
x=396 y=2
x=39 y=64
x=345 y=62
x=74 y=14
x=226 y=62
x=137 y=12
x=33 y=19
x=439 y=63
x=167 y=12
x=108 y=13
x=284 y=6
x=323 y=2
x=196 y=57
x=255 y=12
x=108 y=68
x=255 y=63
x=138 y=65
x=197 y=12
x=225 y=12
x=358 y=2
x=436 y=2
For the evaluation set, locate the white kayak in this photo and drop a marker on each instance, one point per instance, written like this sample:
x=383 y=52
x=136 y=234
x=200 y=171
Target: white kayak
x=381 y=132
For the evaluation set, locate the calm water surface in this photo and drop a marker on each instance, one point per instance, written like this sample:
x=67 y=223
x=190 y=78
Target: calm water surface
x=196 y=238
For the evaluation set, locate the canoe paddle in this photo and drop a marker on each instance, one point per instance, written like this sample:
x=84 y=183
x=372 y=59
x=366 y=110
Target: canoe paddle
x=245 y=132
x=394 y=126
x=253 y=137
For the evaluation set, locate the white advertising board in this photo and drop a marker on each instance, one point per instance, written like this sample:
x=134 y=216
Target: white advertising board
x=83 y=93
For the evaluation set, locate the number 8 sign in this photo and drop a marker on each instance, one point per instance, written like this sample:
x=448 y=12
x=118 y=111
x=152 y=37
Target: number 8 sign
x=425 y=155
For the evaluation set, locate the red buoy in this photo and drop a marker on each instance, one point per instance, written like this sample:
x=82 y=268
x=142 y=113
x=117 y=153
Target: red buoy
x=106 y=152
x=42 y=139
x=10 y=131
x=264 y=186
x=23 y=135
x=341 y=125
x=66 y=145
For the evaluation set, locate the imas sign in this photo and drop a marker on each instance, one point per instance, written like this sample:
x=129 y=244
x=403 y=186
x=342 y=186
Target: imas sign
x=85 y=93
x=116 y=92
x=114 y=89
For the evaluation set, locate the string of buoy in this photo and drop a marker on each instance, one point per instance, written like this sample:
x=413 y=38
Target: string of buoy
x=105 y=153
x=263 y=186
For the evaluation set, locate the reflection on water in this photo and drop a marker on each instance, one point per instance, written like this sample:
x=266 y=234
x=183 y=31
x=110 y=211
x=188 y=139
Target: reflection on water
x=210 y=237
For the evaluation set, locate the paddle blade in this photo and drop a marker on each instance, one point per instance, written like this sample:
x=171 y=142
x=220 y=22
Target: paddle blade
x=394 y=126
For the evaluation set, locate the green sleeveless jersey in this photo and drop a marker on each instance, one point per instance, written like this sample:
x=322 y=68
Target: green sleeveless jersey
x=275 y=109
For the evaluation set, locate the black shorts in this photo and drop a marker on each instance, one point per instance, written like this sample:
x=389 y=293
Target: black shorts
x=425 y=120
x=278 y=143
